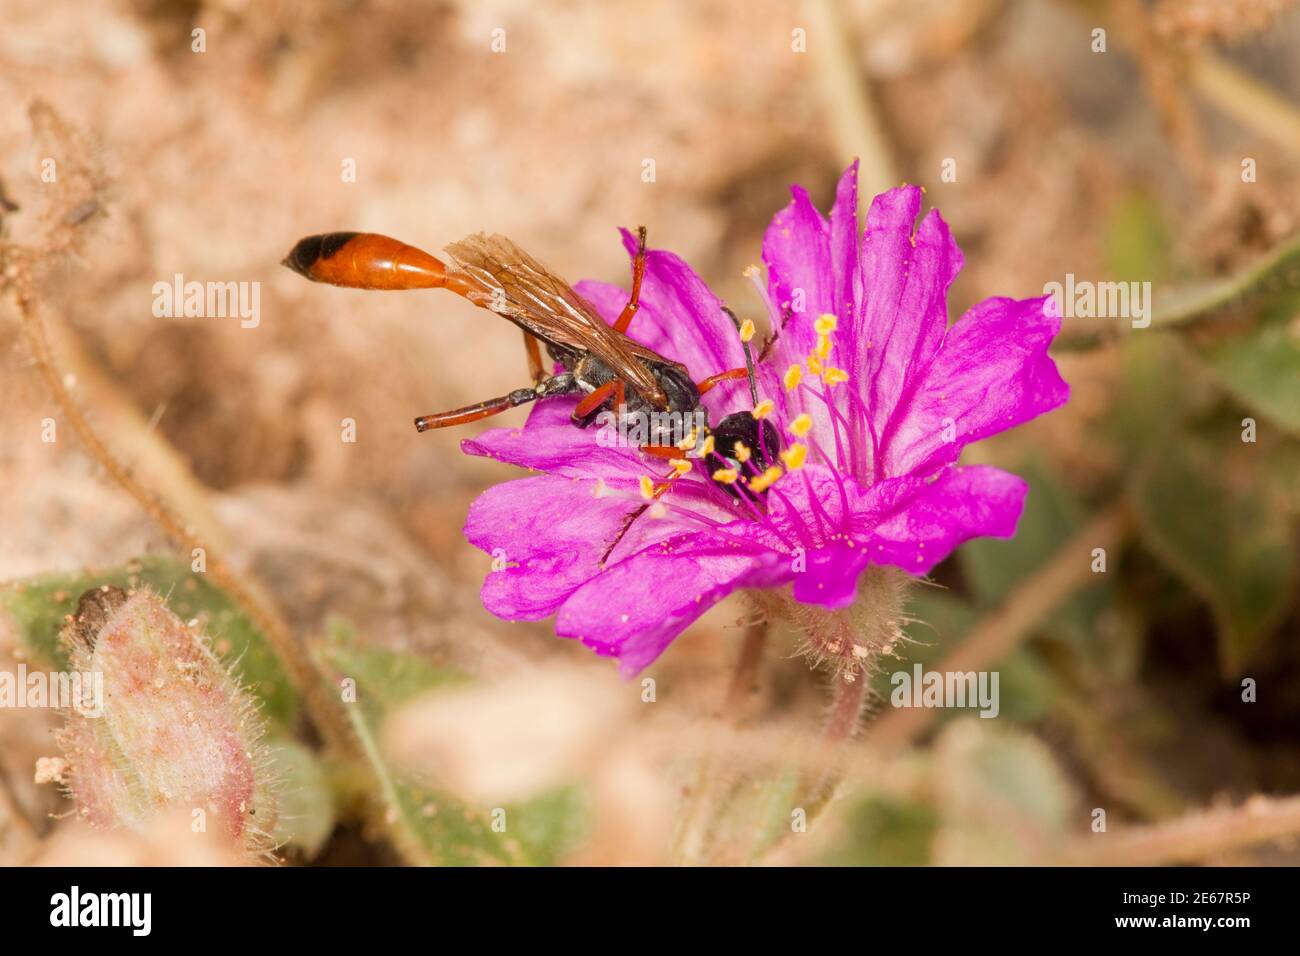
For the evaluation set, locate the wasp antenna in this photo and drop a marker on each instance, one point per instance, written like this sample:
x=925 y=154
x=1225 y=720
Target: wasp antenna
x=749 y=358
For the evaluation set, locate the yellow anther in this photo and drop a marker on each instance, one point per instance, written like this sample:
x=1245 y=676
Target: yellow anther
x=750 y=271
x=795 y=456
x=814 y=364
x=742 y=452
x=764 y=408
x=727 y=476
x=687 y=443
x=823 y=350
x=680 y=465
x=747 y=330
x=706 y=447
x=802 y=425
x=793 y=376
x=766 y=479
x=647 y=488
x=826 y=324
x=834 y=376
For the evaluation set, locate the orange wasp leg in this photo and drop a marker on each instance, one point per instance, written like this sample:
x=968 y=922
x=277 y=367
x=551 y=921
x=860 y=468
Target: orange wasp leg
x=534 y=349
x=472 y=413
x=662 y=451
x=638 y=273
x=727 y=376
x=658 y=492
x=598 y=396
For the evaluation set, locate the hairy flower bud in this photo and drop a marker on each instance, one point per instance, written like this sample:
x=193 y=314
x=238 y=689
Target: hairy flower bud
x=173 y=730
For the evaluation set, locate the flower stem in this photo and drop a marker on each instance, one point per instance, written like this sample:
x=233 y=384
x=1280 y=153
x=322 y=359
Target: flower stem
x=1194 y=837
x=245 y=591
x=745 y=676
x=847 y=700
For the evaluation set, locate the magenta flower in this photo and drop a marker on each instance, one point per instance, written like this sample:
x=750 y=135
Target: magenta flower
x=874 y=397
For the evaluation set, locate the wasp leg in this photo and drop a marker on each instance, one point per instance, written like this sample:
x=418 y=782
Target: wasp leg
x=727 y=376
x=562 y=384
x=638 y=273
x=472 y=413
x=662 y=451
x=598 y=396
x=631 y=518
x=536 y=371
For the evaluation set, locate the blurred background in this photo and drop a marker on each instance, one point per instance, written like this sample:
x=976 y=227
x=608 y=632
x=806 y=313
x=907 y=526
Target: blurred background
x=1125 y=140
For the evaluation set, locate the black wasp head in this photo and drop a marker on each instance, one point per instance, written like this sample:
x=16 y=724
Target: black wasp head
x=758 y=436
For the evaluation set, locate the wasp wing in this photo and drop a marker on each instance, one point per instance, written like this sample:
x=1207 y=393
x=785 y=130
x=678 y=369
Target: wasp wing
x=517 y=286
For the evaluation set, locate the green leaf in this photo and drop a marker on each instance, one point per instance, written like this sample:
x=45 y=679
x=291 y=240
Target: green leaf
x=305 y=801
x=1162 y=385
x=939 y=622
x=993 y=566
x=1223 y=540
x=745 y=814
x=1136 y=240
x=1272 y=280
x=1262 y=370
x=40 y=605
x=427 y=825
x=885 y=831
x=1002 y=797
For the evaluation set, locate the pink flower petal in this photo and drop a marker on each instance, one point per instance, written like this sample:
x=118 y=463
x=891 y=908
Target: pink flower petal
x=830 y=577
x=992 y=373
x=904 y=312
x=635 y=609
x=550 y=532
x=551 y=443
x=813 y=269
x=915 y=524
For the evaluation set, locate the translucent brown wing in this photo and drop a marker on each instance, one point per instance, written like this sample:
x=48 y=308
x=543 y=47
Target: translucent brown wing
x=516 y=285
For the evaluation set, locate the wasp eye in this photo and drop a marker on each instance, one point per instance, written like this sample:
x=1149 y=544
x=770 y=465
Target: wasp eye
x=746 y=444
x=759 y=436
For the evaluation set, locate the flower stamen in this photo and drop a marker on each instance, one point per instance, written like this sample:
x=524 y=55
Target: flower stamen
x=764 y=481
x=795 y=456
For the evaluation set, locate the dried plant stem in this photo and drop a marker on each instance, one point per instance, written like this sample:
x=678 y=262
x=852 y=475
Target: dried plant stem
x=1159 y=66
x=745 y=676
x=12 y=816
x=1246 y=100
x=1195 y=837
x=845 y=97
x=244 y=591
x=393 y=814
x=1001 y=631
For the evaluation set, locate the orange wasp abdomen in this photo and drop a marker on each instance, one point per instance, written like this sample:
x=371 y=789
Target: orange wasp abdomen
x=367 y=260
